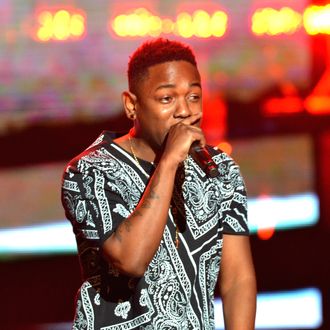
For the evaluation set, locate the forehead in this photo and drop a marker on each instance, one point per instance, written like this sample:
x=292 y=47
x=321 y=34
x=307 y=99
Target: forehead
x=173 y=73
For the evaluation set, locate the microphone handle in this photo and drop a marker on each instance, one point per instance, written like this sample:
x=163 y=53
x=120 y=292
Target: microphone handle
x=203 y=158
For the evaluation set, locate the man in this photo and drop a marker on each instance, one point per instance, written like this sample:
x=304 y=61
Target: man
x=153 y=230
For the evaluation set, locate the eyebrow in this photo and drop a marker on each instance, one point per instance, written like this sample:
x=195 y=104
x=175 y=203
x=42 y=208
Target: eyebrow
x=195 y=84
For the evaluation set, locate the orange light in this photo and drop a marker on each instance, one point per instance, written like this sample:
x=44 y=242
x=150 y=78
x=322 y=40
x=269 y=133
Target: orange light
x=318 y=104
x=269 y=21
x=266 y=228
x=141 y=23
x=226 y=147
x=265 y=233
x=317 y=19
x=60 y=25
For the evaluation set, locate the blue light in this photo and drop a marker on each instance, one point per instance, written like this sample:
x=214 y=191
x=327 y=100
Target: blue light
x=296 y=309
x=287 y=212
x=38 y=239
x=283 y=212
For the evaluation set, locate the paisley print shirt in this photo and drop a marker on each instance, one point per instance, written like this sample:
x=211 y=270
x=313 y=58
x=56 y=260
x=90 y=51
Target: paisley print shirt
x=100 y=188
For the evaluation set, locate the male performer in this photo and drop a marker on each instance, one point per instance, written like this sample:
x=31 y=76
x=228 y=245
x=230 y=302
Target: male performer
x=155 y=232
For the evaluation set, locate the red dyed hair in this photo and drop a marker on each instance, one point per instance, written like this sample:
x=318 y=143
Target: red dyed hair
x=154 y=52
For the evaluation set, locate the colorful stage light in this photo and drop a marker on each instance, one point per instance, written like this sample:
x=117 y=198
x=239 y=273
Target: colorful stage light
x=285 y=105
x=269 y=21
x=141 y=23
x=226 y=147
x=317 y=104
x=137 y=24
x=184 y=25
x=293 y=309
x=317 y=19
x=219 y=23
x=60 y=25
x=167 y=26
x=69 y=24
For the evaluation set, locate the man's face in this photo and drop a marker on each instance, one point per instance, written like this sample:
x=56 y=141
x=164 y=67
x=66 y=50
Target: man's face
x=170 y=92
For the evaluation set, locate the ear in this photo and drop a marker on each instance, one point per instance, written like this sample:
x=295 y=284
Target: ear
x=129 y=101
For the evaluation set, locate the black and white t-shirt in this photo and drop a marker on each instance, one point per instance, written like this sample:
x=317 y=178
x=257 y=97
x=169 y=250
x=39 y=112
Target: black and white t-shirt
x=100 y=188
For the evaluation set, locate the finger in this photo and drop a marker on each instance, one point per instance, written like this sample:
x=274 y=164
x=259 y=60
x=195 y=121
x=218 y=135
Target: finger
x=194 y=119
x=199 y=136
x=194 y=134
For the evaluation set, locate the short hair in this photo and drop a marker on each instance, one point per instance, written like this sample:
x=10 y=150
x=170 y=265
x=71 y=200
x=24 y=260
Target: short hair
x=152 y=52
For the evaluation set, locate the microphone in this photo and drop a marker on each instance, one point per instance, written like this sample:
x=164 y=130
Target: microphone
x=203 y=158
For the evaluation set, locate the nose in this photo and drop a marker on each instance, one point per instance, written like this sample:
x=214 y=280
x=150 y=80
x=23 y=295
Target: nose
x=182 y=109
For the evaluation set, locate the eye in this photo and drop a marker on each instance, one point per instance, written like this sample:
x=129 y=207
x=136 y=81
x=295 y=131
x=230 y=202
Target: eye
x=194 y=97
x=165 y=99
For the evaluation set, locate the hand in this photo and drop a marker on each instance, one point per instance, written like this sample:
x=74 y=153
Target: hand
x=180 y=138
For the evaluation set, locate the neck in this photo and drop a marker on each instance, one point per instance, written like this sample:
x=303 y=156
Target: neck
x=140 y=149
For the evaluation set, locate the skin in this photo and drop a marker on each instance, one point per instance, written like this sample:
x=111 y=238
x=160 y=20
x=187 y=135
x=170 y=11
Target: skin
x=167 y=111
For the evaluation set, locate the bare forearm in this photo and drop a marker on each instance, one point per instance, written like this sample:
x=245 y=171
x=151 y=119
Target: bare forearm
x=239 y=306
x=136 y=240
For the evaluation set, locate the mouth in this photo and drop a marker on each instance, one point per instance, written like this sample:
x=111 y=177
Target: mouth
x=197 y=122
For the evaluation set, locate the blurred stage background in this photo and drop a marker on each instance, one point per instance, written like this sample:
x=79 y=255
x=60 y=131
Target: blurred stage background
x=265 y=66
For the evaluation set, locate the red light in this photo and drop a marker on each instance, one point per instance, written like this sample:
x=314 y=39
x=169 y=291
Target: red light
x=289 y=102
x=265 y=233
x=318 y=102
x=282 y=106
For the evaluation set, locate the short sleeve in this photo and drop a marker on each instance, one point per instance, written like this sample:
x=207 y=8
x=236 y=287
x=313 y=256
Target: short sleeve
x=233 y=196
x=97 y=197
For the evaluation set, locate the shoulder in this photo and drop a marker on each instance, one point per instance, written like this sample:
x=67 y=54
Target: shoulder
x=98 y=152
x=219 y=156
x=228 y=167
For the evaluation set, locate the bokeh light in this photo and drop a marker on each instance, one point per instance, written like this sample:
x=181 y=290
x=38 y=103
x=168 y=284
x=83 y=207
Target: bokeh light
x=60 y=25
x=269 y=21
x=317 y=19
x=141 y=23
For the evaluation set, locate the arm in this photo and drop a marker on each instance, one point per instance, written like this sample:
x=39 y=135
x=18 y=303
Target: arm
x=132 y=246
x=237 y=283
